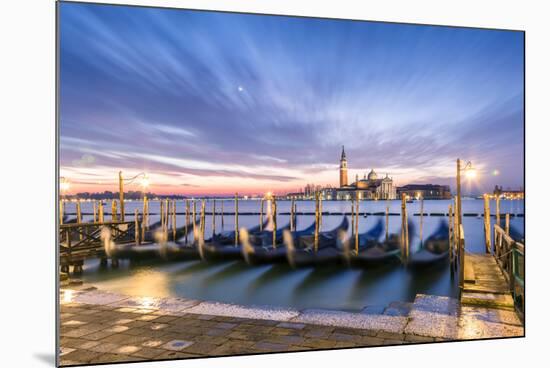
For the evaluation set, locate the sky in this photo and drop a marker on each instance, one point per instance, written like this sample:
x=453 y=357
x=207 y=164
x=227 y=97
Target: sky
x=218 y=103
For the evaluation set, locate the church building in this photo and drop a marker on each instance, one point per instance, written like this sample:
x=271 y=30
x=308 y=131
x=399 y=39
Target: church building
x=369 y=187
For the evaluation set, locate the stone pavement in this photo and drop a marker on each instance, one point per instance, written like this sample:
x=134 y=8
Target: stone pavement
x=101 y=327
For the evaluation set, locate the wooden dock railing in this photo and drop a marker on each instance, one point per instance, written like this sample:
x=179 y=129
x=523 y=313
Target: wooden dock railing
x=79 y=241
x=510 y=257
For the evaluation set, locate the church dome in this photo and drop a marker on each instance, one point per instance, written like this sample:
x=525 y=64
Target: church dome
x=372 y=175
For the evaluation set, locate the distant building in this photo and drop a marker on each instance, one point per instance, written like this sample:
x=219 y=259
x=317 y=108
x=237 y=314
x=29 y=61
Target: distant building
x=508 y=193
x=369 y=187
x=426 y=191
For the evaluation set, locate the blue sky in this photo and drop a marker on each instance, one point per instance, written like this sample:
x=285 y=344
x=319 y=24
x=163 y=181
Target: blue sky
x=216 y=102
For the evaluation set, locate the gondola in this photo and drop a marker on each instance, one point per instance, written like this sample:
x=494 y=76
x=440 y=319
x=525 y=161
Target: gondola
x=223 y=247
x=434 y=250
x=328 y=250
x=265 y=253
x=228 y=237
x=384 y=252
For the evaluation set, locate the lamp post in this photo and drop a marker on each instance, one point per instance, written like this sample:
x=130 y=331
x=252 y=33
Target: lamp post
x=470 y=174
x=144 y=183
x=64 y=186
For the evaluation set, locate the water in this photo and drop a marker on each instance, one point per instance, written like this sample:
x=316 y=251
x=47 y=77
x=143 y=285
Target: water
x=331 y=287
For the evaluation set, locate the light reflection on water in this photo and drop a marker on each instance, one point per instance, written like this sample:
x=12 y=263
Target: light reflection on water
x=331 y=287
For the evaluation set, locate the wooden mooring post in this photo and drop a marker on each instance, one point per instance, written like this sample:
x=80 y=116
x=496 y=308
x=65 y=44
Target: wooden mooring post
x=497 y=200
x=101 y=212
x=213 y=217
x=94 y=204
x=174 y=220
x=320 y=212
x=136 y=225
x=404 y=229
x=292 y=224
x=113 y=210
x=387 y=221
x=262 y=214
x=352 y=211
x=78 y=212
x=274 y=219
x=316 y=235
x=61 y=211
x=223 y=215
x=236 y=219
x=186 y=220
x=421 y=220
x=356 y=223
x=203 y=218
x=161 y=204
x=487 y=222
x=507 y=224
x=194 y=218
x=451 y=236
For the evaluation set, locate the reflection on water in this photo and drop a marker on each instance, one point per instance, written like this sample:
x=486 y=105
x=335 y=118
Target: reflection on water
x=332 y=287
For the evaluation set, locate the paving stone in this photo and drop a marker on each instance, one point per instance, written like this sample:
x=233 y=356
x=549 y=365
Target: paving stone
x=225 y=325
x=296 y=326
x=127 y=349
x=269 y=346
x=148 y=353
x=148 y=317
x=177 y=345
x=202 y=348
x=83 y=356
x=104 y=347
x=391 y=336
x=415 y=338
x=117 y=328
x=98 y=335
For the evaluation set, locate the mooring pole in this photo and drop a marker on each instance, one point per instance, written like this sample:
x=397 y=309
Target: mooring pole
x=352 y=216
x=236 y=219
x=292 y=225
x=213 y=217
x=404 y=228
x=94 y=204
x=101 y=212
x=174 y=220
x=320 y=212
x=450 y=235
x=194 y=218
x=261 y=214
x=222 y=216
x=136 y=225
x=507 y=224
x=121 y=194
x=186 y=220
x=274 y=214
x=487 y=222
x=161 y=203
x=497 y=199
x=387 y=221
x=203 y=220
x=316 y=238
x=61 y=211
x=356 y=223
x=78 y=212
x=421 y=220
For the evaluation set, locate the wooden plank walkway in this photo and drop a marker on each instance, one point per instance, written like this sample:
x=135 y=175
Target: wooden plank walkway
x=484 y=283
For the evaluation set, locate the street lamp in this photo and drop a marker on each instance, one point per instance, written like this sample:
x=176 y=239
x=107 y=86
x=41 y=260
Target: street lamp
x=64 y=184
x=144 y=182
x=470 y=173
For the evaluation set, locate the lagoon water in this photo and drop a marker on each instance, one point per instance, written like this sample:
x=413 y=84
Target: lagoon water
x=330 y=287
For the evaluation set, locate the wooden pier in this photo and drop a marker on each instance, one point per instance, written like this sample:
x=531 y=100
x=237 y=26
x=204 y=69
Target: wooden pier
x=484 y=283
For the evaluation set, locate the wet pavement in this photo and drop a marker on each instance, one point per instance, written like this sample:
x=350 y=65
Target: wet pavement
x=100 y=327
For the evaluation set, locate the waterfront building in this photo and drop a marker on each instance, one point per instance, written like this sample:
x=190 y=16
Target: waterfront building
x=508 y=193
x=426 y=191
x=369 y=187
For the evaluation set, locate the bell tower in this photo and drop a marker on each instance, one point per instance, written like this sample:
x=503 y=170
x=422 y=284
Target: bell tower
x=343 y=169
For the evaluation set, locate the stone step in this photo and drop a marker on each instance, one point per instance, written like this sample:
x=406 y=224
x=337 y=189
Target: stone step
x=488 y=300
